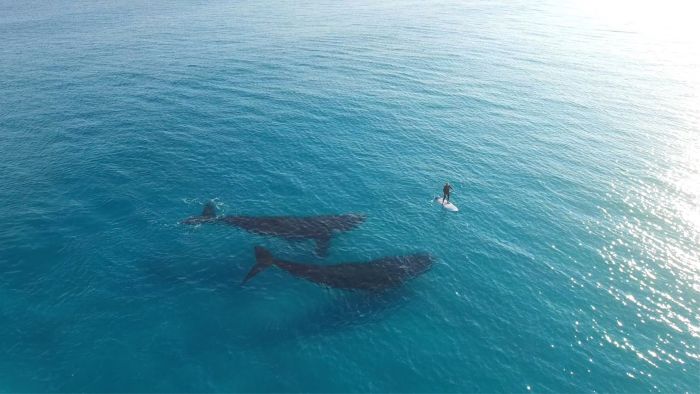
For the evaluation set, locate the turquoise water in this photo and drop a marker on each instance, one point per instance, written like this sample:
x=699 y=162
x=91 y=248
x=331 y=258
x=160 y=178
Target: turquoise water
x=570 y=133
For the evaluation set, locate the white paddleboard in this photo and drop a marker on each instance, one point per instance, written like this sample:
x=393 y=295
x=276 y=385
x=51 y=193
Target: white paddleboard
x=447 y=205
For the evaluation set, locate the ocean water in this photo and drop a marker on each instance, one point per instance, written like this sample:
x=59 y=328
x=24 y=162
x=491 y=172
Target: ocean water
x=569 y=130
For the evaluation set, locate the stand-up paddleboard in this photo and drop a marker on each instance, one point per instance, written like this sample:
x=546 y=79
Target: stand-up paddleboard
x=447 y=205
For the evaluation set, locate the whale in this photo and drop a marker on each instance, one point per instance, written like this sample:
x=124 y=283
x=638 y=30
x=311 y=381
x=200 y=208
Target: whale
x=375 y=275
x=293 y=228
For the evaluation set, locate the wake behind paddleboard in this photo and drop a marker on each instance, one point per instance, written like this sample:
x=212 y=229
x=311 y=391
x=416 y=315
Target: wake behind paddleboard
x=447 y=205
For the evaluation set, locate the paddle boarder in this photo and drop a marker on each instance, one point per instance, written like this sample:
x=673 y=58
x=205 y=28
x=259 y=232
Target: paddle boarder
x=446 y=192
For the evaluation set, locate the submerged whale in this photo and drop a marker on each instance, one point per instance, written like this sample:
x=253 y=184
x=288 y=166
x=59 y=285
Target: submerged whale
x=318 y=228
x=380 y=274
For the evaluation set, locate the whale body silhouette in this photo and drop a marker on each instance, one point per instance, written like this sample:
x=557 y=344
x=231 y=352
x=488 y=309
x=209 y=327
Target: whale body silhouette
x=318 y=228
x=379 y=274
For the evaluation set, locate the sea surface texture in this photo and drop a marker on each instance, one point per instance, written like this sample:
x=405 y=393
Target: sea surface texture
x=570 y=132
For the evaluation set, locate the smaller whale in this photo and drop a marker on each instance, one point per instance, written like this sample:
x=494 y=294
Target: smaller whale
x=374 y=275
x=318 y=228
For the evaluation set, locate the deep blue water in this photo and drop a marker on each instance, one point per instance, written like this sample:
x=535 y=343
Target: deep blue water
x=572 y=140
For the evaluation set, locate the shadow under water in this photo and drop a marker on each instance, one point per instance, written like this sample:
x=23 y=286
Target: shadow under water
x=338 y=311
x=343 y=310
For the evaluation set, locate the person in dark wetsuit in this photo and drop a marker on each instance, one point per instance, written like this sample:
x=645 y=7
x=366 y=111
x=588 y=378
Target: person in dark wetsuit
x=446 y=192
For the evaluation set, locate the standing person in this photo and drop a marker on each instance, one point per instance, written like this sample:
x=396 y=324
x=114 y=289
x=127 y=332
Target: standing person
x=446 y=192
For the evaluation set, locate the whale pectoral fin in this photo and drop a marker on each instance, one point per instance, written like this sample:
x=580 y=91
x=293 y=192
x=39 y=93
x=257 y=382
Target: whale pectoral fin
x=323 y=243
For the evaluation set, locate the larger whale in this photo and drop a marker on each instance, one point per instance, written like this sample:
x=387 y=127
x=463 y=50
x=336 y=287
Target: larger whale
x=375 y=275
x=317 y=228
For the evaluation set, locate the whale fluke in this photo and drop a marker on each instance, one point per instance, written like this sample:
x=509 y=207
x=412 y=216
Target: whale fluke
x=208 y=215
x=209 y=210
x=263 y=260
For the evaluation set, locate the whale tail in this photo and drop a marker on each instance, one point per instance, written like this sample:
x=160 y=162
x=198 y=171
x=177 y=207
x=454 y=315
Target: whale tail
x=208 y=214
x=209 y=210
x=263 y=260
